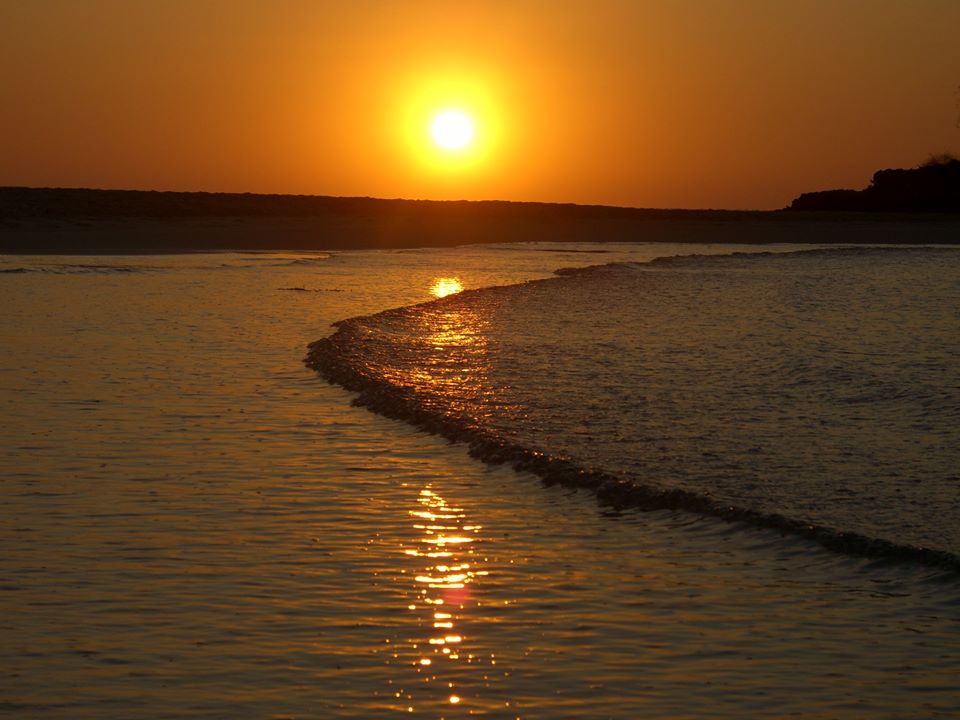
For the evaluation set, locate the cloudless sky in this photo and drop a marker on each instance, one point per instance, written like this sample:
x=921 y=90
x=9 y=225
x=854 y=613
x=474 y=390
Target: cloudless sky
x=648 y=103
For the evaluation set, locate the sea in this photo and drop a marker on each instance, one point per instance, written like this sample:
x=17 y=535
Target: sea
x=528 y=480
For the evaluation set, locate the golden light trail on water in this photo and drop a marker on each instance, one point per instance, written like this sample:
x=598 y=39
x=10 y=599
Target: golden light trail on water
x=446 y=542
x=445 y=286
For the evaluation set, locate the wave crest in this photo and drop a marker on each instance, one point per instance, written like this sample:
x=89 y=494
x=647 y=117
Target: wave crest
x=440 y=367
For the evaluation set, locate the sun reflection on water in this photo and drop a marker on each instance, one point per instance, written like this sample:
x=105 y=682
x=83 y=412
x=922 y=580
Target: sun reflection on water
x=446 y=286
x=446 y=544
x=446 y=362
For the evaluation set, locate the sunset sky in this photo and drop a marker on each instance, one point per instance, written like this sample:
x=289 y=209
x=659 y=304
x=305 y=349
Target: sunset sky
x=680 y=103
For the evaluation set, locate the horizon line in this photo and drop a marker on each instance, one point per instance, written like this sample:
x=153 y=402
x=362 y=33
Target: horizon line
x=385 y=199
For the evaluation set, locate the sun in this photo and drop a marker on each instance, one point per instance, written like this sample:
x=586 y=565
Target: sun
x=451 y=126
x=452 y=130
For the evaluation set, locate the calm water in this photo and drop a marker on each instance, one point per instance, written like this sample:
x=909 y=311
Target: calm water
x=195 y=525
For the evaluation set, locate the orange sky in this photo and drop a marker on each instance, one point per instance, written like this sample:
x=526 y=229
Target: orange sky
x=679 y=103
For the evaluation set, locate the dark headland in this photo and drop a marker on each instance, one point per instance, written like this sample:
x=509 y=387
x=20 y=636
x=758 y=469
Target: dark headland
x=78 y=221
x=933 y=187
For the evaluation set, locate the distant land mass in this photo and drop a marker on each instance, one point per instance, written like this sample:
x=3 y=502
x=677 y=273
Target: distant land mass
x=933 y=187
x=86 y=221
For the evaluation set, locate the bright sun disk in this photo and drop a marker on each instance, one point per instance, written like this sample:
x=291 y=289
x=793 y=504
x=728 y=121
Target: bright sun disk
x=452 y=129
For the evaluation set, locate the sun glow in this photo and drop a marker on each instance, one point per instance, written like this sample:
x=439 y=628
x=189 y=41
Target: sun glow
x=451 y=124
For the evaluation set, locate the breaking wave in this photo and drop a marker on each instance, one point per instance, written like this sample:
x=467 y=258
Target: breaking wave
x=814 y=393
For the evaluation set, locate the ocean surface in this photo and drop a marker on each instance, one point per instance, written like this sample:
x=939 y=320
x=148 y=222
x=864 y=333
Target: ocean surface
x=196 y=524
x=821 y=385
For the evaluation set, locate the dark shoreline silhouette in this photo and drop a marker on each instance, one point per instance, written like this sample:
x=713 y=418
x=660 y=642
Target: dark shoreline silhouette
x=933 y=187
x=85 y=221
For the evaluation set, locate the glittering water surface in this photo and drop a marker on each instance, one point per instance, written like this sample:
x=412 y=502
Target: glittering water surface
x=822 y=385
x=195 y=525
